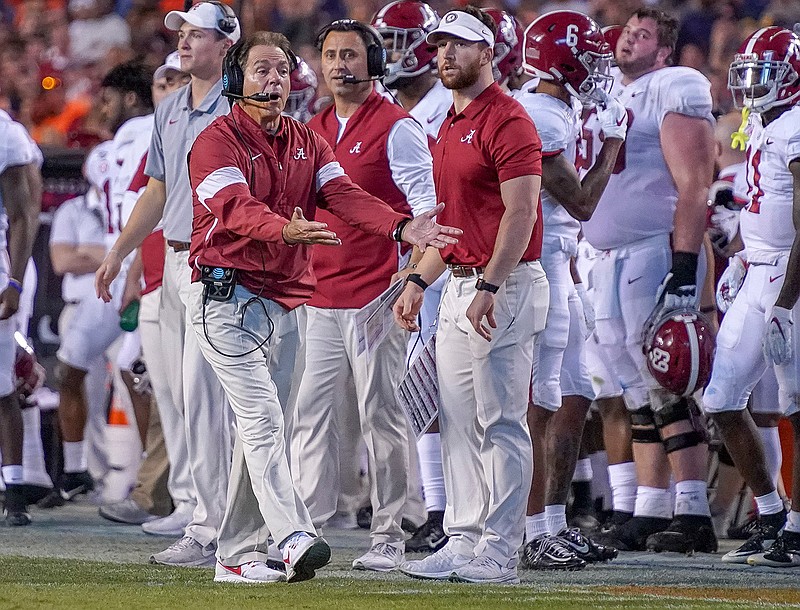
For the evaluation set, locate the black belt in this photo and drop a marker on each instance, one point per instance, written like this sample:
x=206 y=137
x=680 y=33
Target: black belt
x=461 y=271
x=179 y=246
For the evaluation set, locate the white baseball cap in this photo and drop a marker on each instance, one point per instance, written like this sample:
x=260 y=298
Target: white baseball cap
x=206 y=15
x=172 y=62
x=461 y=25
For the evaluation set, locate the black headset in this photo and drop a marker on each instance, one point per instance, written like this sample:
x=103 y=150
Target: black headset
x=376 y=53
x=228 y=22
x=233 y=75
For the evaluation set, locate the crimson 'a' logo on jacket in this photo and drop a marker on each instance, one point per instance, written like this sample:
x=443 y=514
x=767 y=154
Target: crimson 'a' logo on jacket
x=356 y=149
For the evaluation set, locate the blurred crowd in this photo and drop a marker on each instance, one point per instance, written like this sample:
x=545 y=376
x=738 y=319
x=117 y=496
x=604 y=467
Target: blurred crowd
x=53 y=54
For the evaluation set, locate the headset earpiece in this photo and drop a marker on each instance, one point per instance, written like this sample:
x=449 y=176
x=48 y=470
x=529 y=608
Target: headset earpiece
x=232 y=74
x=227 y=23
x=376 y=53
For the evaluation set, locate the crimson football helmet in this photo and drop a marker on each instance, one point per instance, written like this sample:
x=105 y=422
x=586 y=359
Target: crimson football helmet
x=507 y=45
x=765 y=73
x=303 y=93
x=568 y=47
x=679 y=348
x=405 y=24
x=611 y=33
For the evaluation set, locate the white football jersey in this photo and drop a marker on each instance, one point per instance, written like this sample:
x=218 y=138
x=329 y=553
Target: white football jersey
x=766 y=221
x=736 y=174
x=431 y=110
x=99 y=169
x=16 y=148
x=559 y=128
x=639 y=200
x=131 y=143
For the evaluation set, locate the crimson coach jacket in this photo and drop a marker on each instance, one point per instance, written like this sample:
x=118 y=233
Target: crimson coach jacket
x=245 y=186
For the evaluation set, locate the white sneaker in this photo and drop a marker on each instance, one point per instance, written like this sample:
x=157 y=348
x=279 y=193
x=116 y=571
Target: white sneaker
x=438 y=566
x=382 y=557
x=172 y=525
x=303 y=555
x=251 y=572
x=187 y=553
x=484 y=569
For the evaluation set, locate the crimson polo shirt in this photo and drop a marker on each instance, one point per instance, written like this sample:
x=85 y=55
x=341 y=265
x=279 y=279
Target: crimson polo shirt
x=491 y=141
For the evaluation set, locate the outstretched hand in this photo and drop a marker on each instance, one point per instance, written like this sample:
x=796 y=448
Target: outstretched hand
x=302 y=231
x=424 y=231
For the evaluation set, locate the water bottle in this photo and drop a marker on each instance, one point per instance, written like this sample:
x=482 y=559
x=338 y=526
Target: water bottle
x=129 y=318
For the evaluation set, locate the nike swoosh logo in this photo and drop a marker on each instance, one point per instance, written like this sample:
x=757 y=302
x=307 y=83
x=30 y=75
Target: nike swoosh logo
x=772 y=279
x=770 y=141
x=583 y=549
x=256 y=157
x=634 y=279
x=433 y=118
x=173 y=121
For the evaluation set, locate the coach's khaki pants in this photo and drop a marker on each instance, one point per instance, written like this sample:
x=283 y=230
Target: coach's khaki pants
x=166 y=435
x=207 y=418
x=261 y=496
x=484 y=388
x=330 y=361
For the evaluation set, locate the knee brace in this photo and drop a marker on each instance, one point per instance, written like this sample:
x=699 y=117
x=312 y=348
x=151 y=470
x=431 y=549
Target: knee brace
x=684 y=409
x=643 y=426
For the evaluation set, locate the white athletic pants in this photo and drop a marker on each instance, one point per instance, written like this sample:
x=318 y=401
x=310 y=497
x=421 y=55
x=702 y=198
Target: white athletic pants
x=261 y=496
x=208 y=420
x=484 y=388
x=330 y=360
x=154 y=348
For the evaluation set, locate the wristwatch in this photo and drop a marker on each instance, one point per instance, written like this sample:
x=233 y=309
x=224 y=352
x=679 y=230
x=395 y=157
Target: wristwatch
x=481 y=285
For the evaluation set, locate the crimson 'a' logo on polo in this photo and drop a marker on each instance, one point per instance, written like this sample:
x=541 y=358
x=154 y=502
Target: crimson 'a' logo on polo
x=468 y=138
x=356 y=149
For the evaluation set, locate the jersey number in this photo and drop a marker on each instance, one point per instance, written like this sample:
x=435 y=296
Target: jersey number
x=754 y=205
x=584 y=159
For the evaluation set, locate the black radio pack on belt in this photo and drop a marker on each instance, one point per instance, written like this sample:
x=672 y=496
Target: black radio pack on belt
x=219 y=282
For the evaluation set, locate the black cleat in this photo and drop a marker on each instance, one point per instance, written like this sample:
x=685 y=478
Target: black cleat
x=745 y=529
x=70 y=484
x=550 y=553
x=762 y=539
x=586 y=522
x=686 y=534
x=632 y=535
x=16 y=509
x=784 y=552
x=430 y=536
x=364 y=517
x=585 y=548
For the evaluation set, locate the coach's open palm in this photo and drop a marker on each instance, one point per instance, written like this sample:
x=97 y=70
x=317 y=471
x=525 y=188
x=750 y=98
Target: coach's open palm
x=424 y=231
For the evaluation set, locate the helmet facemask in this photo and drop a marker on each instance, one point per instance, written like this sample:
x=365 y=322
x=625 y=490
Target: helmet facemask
x=757 y=84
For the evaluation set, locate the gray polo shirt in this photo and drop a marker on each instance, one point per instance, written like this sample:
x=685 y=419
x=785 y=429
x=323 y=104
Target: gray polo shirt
x=177 y=125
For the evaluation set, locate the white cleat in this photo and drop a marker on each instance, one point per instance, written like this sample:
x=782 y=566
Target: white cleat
x=485 y=570
x=382 y=557
x=251 y=572
x=438 y=566
x=303 y=555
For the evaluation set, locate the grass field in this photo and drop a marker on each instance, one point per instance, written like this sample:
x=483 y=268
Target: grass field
x=69 y=557
x=28 y=583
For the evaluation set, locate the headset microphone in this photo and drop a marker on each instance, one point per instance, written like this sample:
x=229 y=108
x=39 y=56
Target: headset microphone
x=263 y=97
x=256 y=97
x=352 y=80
